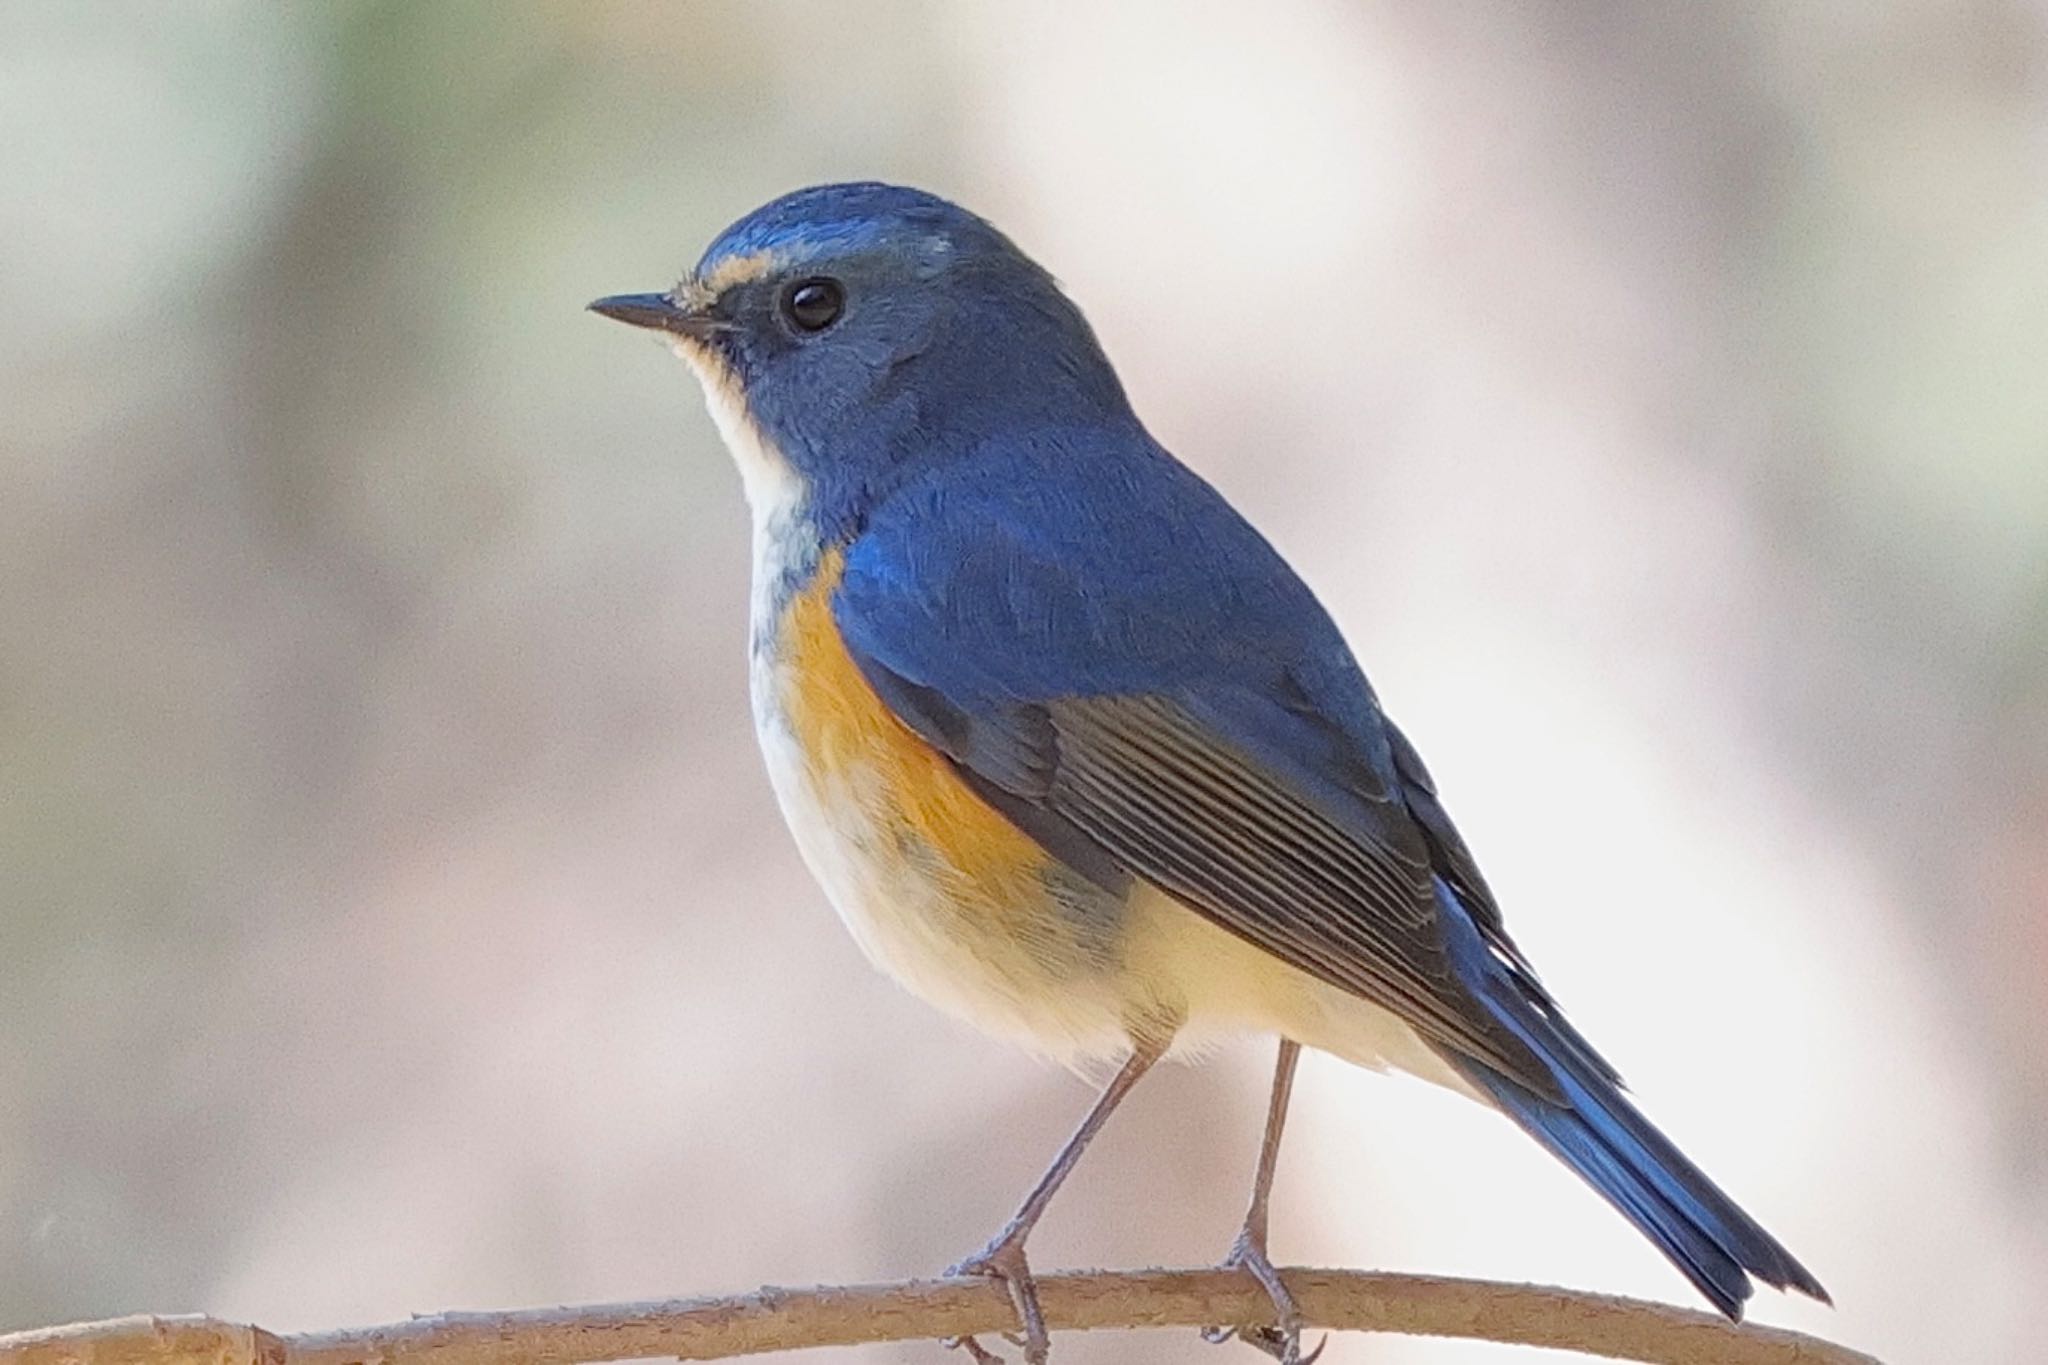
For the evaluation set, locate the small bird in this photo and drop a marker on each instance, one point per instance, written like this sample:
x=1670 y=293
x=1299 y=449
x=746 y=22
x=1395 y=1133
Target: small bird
x=1071 y=749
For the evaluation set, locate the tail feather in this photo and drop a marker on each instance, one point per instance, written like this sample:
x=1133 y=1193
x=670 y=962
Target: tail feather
x=1671 y=1201
x=1602 y=1136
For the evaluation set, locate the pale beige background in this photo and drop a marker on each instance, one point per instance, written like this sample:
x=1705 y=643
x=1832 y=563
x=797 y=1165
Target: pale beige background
x=394 y=915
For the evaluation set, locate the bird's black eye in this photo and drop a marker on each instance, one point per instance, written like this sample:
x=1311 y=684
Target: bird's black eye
x=814 y=305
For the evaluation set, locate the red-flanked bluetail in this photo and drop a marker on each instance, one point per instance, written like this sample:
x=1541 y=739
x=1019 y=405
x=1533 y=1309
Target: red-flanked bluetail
x=1072 y=750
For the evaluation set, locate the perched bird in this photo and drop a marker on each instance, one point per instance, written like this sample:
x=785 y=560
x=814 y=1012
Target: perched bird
x=1069 y=746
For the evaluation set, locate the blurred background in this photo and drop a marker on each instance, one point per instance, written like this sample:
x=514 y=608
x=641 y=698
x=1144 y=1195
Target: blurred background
x=393 y=916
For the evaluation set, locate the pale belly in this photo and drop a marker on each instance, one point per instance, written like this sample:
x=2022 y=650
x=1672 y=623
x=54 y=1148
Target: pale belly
x=1000 y=951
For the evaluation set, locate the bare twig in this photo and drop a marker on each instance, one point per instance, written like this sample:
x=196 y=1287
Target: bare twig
x=790 y=1319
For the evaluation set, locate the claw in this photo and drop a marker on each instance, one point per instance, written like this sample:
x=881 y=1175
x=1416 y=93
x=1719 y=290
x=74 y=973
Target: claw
x=1267 y=1339
x=1004 y=1261
x=980 y=1354
x=1282 y=1341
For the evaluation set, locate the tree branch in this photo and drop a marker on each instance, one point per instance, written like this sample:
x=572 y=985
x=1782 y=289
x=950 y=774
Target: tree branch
x=791 y=1319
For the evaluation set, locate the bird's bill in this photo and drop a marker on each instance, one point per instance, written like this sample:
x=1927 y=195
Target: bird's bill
x=661 y=313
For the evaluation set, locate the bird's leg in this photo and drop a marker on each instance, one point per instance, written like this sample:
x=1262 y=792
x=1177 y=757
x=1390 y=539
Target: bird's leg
x=1282 y=1341
x=1003 y=1257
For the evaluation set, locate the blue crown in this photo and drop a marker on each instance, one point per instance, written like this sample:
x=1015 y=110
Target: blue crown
x=850 y=217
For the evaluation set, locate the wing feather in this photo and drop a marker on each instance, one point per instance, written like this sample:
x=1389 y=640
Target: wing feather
x=1126 y=786
x=1148 y=691
x=1183 y=809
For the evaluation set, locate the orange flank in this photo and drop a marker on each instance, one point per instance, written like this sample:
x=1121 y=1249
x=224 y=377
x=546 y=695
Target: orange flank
x=911 y=797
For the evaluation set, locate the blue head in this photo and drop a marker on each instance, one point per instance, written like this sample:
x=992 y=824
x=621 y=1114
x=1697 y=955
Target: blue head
x=850 y=334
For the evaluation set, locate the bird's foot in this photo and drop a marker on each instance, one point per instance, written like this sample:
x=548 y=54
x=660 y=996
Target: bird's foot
x=1003 y=1259
x=1282 y=1340
x=980 y=1354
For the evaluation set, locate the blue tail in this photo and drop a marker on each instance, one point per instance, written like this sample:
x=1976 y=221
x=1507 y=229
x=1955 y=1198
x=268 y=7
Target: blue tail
x=1599 y=1134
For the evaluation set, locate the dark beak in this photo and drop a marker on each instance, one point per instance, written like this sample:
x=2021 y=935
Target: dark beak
x=661 y=313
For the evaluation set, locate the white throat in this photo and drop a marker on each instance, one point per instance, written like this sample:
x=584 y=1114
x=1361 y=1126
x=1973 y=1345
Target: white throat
x=773 y=488
x=783 y=539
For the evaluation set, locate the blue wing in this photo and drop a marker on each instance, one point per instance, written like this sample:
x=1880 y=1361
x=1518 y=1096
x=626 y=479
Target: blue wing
x=1139 y=681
